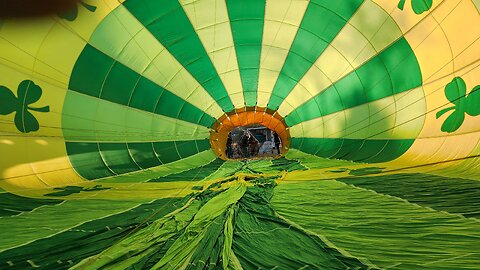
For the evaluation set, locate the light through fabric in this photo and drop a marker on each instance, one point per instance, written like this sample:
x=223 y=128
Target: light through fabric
x=115 y=117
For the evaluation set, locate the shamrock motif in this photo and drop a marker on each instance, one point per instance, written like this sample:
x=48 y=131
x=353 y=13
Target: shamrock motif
x=28 y=92
x=456 y=93
x=72 y=14
x=418 y=6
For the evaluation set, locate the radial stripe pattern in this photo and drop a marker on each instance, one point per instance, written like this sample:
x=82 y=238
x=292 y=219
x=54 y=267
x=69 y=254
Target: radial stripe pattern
x=168 y=22
x=311 y=40
x=116 y=120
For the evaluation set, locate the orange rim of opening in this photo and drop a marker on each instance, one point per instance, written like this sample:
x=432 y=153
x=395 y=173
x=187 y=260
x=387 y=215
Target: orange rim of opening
x=244 y=117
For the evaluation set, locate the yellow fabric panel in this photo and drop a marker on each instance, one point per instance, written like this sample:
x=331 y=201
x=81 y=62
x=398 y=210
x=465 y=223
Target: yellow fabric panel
x=359 y=40
x=25 y=155
x=40 y=159
x=407 y=19
x=438 y=149
x=34 y=162
x=110 y=122
x=433 y=145
x=445 y=47
x=410 y=116
x=213 y=29
x=52 y=96
x=37 y=54
x=87 y=21
x=282 y=19
x=437 y=39
x=368 y=120
x=435 y=55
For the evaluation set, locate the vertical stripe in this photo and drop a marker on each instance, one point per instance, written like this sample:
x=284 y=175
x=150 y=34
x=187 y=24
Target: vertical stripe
x=282 y=19
x=246 y=20
x=393 y=71
x=321 y=23
x=167 y=21
x=359 y=40
x=211 y=22
x=122 y=37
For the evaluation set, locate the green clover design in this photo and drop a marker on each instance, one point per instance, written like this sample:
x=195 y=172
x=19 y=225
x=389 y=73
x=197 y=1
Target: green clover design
x=28 y=92
x=456 y=93
x=72 y=14
x=418 y=6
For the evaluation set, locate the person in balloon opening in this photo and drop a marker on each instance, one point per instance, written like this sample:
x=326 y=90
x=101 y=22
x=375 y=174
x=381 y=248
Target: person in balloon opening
x=276 y=140
x=229 y=151
x=253 y=146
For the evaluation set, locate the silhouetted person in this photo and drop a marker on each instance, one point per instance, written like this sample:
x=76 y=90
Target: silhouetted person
x=244 y=144
x=229 y=151
x=252 y=146
x=277 y=141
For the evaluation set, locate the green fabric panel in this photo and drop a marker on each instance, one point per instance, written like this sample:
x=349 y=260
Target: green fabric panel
x=256 y=166
x=175 y=150
x=393 y=71
x=120 y=158
x=146 y=95
x=289 y=165
x=321 y=23
x=194 y=174
x=119 y=84
x=374 y=77
x=224 y=220
x=143 y=155
x=402 y=66
x=207 y=216
x=113 y=81
x=65 y=249
x=202 y=215
x=392 y=150
x=151 y=259
x=167 y=21
x=373 y=151
x=69 y=190
x=314 y=162
x=86 y=160
x=207 y=120
x=166 y=151
x=228 y=168
x=37 y=224
x=95 y=66
x=359 y=150
x=177 y=166
x=453 y=195
x=317 y=146
x=117 y=158
x=389 y=232
x=246 y=20
x=203 y=145
x=208 y=256
x=262 y=240
x=186 y=148
x=173 y=106
x=11 y=204
x=191 y=114
x=296 y=143
x=353 y=149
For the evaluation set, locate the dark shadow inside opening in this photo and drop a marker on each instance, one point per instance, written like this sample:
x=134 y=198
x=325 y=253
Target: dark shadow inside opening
x=253 y=141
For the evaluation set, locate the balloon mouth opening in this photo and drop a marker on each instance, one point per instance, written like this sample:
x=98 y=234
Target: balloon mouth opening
x=247 y=116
